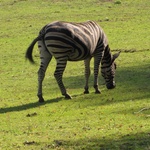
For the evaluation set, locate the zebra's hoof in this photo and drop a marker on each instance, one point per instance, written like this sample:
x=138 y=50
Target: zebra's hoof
x=97 y=92
x=67 y=96
x=41 y=99
x=86 y=92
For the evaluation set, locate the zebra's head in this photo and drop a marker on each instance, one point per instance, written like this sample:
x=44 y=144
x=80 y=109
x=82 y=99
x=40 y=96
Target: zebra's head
x=108 y=69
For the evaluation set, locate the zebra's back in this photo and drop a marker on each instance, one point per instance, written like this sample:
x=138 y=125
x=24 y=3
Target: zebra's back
x=76 y=40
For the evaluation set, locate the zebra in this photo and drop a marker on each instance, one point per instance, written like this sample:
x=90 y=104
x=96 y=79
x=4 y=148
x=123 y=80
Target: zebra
x=69 y=41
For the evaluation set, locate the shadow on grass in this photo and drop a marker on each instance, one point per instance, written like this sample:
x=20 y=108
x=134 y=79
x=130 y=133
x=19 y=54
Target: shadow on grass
x=134 y=80
x=28 y=106
x=138 y=141
x=131 y=83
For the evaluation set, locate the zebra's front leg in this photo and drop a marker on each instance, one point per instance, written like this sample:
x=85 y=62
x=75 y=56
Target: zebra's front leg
x=97 y=60
x=58 y=75
x=87 y=74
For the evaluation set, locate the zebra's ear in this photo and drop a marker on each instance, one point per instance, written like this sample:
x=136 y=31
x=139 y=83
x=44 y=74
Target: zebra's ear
x=115 y=56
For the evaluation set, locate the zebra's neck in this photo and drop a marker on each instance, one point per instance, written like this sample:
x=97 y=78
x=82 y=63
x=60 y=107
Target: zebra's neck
x=107 y=56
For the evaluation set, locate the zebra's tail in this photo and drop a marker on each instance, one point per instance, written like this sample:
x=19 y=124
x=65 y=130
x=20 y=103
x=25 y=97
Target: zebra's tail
x=29 y=51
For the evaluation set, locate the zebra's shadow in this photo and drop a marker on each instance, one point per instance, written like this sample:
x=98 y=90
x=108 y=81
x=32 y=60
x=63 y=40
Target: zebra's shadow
x=125 y=77
x=28 y=106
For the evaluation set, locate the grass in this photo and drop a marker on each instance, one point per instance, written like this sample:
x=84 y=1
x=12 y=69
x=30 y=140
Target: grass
x=115 y=120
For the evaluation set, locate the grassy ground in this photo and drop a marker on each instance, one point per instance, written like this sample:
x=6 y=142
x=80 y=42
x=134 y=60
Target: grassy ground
x=115 y=120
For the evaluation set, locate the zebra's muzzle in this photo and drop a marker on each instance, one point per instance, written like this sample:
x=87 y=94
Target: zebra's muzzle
x=110 y=85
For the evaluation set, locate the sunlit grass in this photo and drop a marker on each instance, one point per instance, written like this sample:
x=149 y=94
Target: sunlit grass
x=116 y=119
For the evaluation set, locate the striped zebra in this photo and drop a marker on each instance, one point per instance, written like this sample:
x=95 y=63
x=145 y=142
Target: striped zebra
x=74 y=42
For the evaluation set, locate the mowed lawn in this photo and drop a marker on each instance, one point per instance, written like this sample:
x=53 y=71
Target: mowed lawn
x=117 y=119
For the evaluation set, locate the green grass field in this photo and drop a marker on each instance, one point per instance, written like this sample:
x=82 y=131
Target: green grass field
x=117 y=119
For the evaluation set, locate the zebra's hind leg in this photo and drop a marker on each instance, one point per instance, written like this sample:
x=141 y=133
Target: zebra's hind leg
x=45 y=57
x=61 y=65
x=87 y=74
